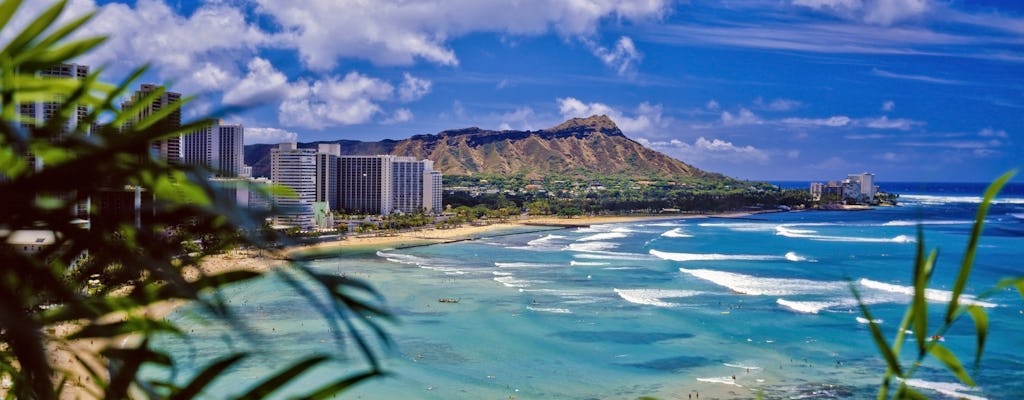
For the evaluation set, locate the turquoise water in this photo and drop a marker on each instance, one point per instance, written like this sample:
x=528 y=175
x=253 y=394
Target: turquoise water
x=727 y=307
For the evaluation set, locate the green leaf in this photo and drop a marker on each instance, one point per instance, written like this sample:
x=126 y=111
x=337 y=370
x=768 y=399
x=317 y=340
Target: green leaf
x=972 y=244
x=208 y=375
x=1017 y=283
x=275 y=382
x=876 y=334
x=7 y=9
x=45 y=20
x=952 y=363
x=981 y=327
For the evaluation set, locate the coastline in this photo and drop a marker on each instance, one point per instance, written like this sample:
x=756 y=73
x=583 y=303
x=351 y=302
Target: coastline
x=80 y=386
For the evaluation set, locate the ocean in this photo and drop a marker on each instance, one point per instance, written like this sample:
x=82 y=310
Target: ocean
x=724 y=307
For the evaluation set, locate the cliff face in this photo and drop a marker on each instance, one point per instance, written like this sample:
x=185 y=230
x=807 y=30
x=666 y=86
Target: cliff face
x=579 y=147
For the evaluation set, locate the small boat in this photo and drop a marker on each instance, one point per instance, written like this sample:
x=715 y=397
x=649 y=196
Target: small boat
x=447 y=300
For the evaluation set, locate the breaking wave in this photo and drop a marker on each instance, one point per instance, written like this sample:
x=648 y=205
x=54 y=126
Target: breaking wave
x=653 y=297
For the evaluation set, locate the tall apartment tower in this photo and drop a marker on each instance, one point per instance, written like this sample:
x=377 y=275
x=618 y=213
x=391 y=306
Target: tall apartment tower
x=295 y=168
x=218 y=147
x=364 y=184
x=407 y=185
x=432 y=188
x=167 y=149
x=327 y=163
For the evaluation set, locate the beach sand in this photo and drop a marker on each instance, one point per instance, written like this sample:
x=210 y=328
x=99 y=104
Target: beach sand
x=80 y=385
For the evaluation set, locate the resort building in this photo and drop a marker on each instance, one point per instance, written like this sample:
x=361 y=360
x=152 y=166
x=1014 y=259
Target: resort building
x=379 y=185
x=167 y=149
x=327 y=164
x=855 y=189
x=407 y=180
x=218 y=147
x=364 y=184
x=294 y=168
x=432 y=189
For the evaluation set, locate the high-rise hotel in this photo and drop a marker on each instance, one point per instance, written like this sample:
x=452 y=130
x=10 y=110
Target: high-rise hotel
x=167 y=149
x=379 y=184
x=218 y=147
x=294 y=168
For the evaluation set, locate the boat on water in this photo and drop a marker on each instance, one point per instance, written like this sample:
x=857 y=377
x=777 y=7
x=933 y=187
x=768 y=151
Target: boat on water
x=447 y=300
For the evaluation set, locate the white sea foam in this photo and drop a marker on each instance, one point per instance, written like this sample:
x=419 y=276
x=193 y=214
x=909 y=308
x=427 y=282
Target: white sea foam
x=727 y=380
x=611 y=255
x=653 y=297
x=740 y=226
x=401 y=258
x=575 y=263
x=513 y=282
x=664 y=224
x=684 y=257
x=591 y=246
x=938 y=199
x=792 y=256
x=904 y=222
x=525 y=265
x=552 y=310
x=863 y=320
x=790 y=232
x=754 y=285
x=741 y=366
x=500 y=273
x=544 y=241
x=603 y=236
x=676 y=233
x=806 y=307
x=930 y=294
x=950 y=389
x=445 y=269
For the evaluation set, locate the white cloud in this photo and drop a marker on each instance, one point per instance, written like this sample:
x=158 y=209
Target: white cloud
x=888 y=106
x=911 y=77
x=623 y=58
x=321 y=103
x=269 y=135
x=884 y=122
x=833 y=121
x=743 y=117
x=778 y=104
x=704 y=149
x=876 y=12
x=263 y=83
x=397 y=32
x=413 y=88
x=400 y=115
x=644 y=120
x=712 y=105
x=989 y=132
x=519 y=119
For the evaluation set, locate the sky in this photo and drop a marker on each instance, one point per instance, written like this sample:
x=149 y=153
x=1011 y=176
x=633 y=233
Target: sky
x=910 y=90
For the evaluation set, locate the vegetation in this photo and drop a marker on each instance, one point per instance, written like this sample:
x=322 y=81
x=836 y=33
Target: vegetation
x=917 y=320
x=98 y=282
x=608 y=195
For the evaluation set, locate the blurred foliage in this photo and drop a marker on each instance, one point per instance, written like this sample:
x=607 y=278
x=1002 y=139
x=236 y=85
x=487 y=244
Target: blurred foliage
x=97 y=282
x=916 y=322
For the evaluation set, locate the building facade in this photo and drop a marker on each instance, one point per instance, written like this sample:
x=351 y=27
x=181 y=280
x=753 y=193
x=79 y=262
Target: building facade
x=294 y=168
x=218 y=147
x=407 y=183
x=327 y=162
x=169 y=148
x=364 y=184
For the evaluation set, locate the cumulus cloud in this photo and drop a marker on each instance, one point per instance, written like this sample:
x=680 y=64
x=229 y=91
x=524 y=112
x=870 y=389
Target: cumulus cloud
x=269 y=135
x=703 y=149
x=743 y=117
x=396 y=32
x=332 y=101
x=875 y=12
x=833 y=121
x=413 y=88
x=261 y=84
x=623 y=58
x=400 y=115
x=888 y=106
x=777 y=104
x=884 y=122
x=519 y=119
x=712 y=105
x=644 y=119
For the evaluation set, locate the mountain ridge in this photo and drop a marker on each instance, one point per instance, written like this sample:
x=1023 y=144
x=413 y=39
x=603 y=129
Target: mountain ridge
x=578 y=147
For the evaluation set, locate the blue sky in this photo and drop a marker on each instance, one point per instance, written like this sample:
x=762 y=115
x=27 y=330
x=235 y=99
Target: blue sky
x=777 y=90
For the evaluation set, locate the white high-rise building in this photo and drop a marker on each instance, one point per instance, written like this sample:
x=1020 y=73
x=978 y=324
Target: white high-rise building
x=167 y=149
x=327 y=156
x=407 y=185
x=218 y=147
x=432 y=188
x=294 y=168
x=365 y=184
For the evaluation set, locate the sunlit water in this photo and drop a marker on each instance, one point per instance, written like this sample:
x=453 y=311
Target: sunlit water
x=727 y=306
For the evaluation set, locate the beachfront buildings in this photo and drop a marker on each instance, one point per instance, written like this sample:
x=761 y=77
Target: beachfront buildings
x=364 y=185
x=855 y=189
x=157 y=98
x=377 y=184
x=218 y=147
x=327 y=163
x=294 y=168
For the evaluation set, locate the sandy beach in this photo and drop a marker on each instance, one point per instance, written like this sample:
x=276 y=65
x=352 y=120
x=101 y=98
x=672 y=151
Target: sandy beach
x=81 y=386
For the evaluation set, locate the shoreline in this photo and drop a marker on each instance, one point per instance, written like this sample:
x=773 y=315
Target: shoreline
x=80 y=386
